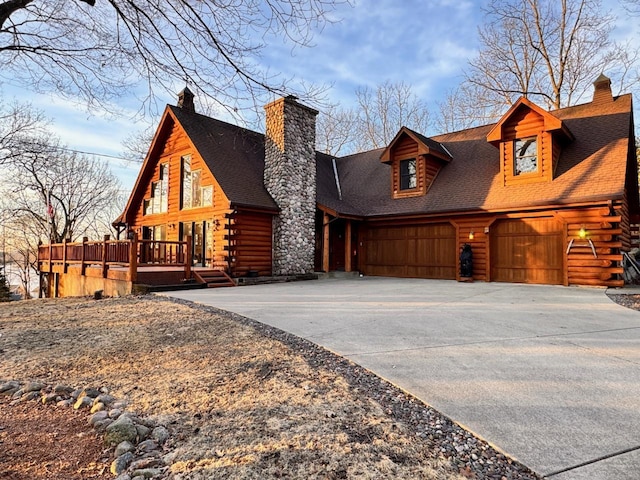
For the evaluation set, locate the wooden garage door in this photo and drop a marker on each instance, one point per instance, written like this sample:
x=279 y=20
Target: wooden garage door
x=424 y=251
x=527 y=251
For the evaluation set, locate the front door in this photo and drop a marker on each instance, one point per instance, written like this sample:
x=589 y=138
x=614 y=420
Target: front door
x=200 y=233
x=336 y=245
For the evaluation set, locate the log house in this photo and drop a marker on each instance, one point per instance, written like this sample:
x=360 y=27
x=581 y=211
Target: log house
x=544 y=197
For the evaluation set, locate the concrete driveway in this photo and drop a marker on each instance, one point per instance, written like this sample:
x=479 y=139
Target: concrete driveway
x=550 y=375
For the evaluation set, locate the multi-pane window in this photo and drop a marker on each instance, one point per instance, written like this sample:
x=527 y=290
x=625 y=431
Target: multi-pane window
x=193 y=193
x=525 y=156
x=408 y=175
x=158 y=203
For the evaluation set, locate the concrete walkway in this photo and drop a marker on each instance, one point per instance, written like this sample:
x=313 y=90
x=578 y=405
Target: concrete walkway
x=550 y=375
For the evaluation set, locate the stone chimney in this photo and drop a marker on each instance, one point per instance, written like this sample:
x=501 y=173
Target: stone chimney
x=185 y=100
x=290 y=178
x=602 y=90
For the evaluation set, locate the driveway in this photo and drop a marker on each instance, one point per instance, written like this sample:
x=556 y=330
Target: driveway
x=550 y=375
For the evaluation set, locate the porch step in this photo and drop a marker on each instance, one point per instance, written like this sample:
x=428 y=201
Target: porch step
x=214 y=278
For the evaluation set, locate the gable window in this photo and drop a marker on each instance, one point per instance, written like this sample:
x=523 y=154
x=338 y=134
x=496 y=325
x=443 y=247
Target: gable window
x=408 y=174
x=158 y=203
x=525 y=156
x=193 y=193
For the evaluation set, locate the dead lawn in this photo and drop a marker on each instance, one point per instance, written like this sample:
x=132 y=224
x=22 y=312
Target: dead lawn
x=238 y=403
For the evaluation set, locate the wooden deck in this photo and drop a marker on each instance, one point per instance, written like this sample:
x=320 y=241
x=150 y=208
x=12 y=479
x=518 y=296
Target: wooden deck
x=116 y=264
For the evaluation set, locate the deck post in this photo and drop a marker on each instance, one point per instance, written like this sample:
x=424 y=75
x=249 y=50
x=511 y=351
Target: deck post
x=325 y=242
x=83 y=267
x=347 y=247
x=133 y=258
x=64 y=255
x=105 y=267
x=187 y=265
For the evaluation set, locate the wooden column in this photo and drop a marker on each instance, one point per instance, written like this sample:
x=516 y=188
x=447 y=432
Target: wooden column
x=50 y=255
x=64 y=256
x=105 y=266
x=83 y=267
x=133 y=258
x=187 y=265
x=325 y=242
x=347 y=247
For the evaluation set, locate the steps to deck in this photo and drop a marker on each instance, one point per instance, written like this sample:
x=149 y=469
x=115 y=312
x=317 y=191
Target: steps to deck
x=214 y=278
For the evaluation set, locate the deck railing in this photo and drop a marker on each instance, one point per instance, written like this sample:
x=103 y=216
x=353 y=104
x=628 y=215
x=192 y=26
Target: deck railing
x=107 y=253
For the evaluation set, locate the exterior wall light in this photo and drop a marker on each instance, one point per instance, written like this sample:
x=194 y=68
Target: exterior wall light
x=471 y=235
x=582 y=233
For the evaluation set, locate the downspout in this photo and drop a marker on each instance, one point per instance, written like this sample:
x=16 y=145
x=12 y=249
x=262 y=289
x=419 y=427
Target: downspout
x=335 y=174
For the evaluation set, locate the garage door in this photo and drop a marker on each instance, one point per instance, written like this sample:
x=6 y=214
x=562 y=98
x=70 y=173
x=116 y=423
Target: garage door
x=424 y=251
x=527 y=251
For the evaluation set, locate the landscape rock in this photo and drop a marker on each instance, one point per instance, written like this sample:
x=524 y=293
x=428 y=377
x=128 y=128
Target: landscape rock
x=160 y=434
x=143 y=431
x=145 y=463
x=121 y=463
x=115 y=413
x=90 y=392
x=9 y=388
x=123 y=447
x=33 y=387
x=98 y=417
x=104 y=399
x=147 y=446
x=147 y=473
x=82 y=402
x=61 y=389
x=123 y=429
x=50 y=398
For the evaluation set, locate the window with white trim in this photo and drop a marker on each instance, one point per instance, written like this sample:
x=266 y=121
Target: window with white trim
x=525 y=155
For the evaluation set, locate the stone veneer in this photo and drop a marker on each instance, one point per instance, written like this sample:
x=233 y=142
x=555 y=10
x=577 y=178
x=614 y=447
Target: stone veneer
x=290 y=178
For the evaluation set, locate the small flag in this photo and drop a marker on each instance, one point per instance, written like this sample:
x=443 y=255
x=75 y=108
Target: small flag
x=49 y=206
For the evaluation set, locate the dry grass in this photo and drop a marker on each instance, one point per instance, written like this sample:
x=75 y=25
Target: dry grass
x=238 y=404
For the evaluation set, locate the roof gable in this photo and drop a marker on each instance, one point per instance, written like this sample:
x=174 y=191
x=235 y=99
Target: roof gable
x=426 y=146
x=551 y=123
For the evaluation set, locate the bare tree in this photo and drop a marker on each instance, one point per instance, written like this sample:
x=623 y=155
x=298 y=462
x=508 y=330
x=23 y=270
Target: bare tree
x=335 y=130
x=98 y=50
x=22 y=252
x=384 y=110
x=17 y=122
x=466 y=106
x=136 y=145
x=548 y=50
x=53 y=192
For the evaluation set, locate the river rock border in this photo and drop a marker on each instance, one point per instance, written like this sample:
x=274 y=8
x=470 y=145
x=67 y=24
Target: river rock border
x=139 y=444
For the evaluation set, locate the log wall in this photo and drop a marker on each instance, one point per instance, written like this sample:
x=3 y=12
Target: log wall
x=607 y=227
x=249 y=242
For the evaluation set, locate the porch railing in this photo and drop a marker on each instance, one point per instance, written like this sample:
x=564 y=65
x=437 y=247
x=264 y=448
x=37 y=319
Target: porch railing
x=107 y=253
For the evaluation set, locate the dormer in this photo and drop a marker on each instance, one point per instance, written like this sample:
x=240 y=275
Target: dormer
x=415 y=162
x=530 y=140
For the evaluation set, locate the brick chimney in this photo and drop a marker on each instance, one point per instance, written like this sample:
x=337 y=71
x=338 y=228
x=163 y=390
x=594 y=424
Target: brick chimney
x=290 y=178
x=185 y=100
x=602 y=90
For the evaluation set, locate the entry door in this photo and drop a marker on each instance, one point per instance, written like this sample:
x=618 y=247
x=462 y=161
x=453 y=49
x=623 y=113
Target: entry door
x=336 y=245
x=198 y=240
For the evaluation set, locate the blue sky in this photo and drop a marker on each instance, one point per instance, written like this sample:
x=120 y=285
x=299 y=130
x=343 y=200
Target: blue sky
x=423 y=43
